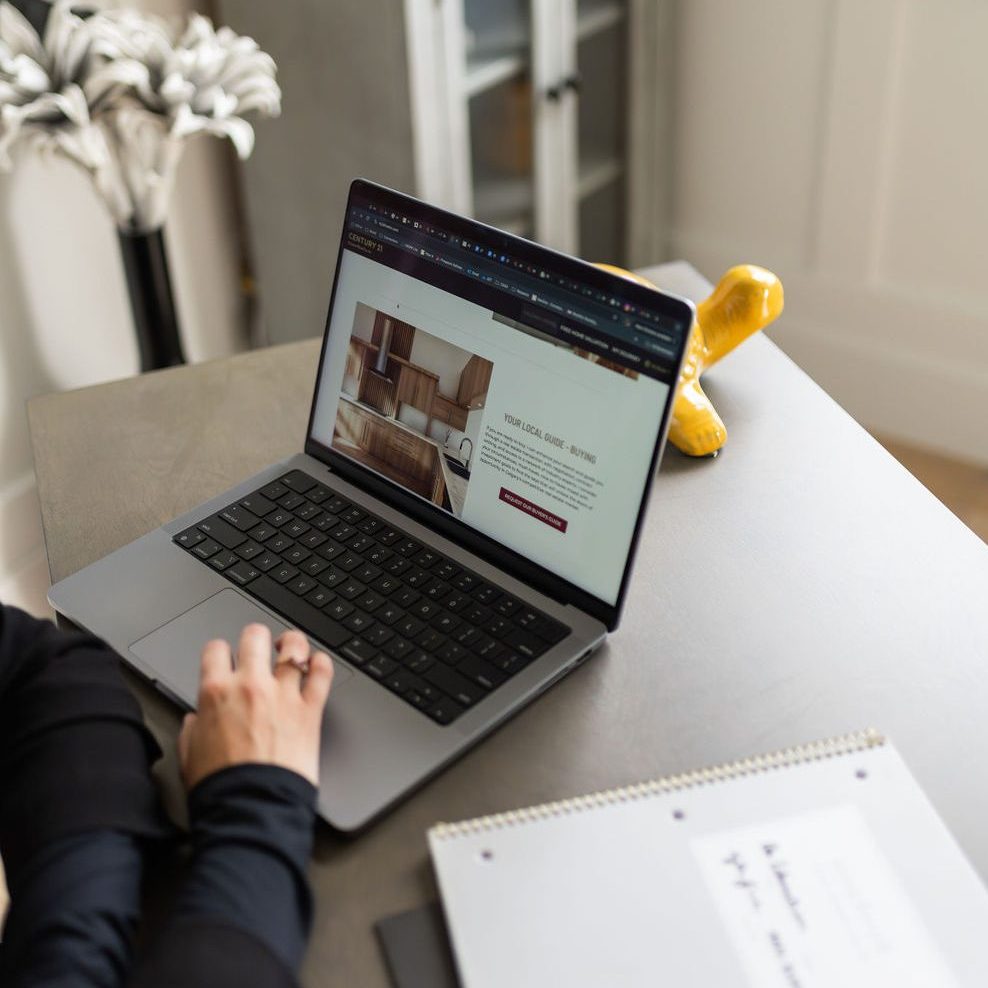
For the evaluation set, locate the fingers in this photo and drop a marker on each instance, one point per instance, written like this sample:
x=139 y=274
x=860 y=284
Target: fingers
x=217 y=661
x=184 y=738
x=293 y=658
x=254 y=650
x=317 y=685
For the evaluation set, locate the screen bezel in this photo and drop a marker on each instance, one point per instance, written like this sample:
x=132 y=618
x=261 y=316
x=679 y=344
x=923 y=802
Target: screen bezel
x=445 y=524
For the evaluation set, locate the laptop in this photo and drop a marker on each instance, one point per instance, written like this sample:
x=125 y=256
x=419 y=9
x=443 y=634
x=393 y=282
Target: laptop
x=459 y=527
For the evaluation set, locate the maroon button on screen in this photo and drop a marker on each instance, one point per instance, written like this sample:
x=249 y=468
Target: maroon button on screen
x=530 y=508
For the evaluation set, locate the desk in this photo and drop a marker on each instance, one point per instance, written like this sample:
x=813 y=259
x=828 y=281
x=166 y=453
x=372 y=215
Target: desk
x=800 y=585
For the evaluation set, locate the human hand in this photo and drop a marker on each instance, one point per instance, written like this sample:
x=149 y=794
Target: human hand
x=251 y=714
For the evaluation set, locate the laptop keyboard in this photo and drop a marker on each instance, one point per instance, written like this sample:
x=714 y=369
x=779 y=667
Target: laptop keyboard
x=437 y=635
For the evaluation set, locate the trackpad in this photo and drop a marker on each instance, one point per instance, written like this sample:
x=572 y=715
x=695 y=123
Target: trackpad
x=172 y=651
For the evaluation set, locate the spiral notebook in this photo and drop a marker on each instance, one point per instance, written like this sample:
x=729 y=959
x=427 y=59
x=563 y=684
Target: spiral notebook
x=823 y=866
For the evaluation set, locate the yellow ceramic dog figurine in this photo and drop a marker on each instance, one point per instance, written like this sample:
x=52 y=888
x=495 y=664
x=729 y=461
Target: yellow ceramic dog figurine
x=747 y=298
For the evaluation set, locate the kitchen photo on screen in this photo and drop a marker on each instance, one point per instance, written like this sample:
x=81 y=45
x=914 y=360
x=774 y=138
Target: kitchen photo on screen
x=411 y=407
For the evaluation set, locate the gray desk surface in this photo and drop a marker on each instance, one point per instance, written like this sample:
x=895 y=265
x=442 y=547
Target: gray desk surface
x=800 y=585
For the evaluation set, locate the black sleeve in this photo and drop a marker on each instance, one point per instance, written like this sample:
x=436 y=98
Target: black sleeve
x=244 y=911
x=77 y=805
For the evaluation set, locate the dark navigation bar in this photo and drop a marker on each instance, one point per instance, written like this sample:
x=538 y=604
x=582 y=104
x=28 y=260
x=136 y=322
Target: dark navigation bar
x=520 y=293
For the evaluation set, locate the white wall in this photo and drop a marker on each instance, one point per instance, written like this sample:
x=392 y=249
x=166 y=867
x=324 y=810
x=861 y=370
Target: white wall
x=64 y=316
x=845 y=146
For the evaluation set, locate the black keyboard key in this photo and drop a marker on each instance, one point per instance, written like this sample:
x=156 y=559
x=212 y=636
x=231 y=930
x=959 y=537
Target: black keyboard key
x=417 y=699
x=453 y=684
x=379 y=554
x=318 y=494
x=417 y=578
x=466 y=582
x=451 y=653
x=477 y=614
x=284 y=573
x=446 y=623
x=397 y=566
x=206 y=549
x=389 y=613
x=405 y=597
x=481 y=672
x=552 y=631
x=378 y=635
x=280 y=544
x=190 y=537
x=350 y=588
x=401 y=681
x=360 y=543
x=398 y=648
x=369 y=526
x=487 y=594
x=370 y=601
x=308 y=511
x=367 y=573
x=339 y=610
x=437 y=590
x=258 y=504
x=296 y=528
x=425 y=609
x=337 y=505
x=358 y=652
x=510 y=662
x=445 y=711
x=330 y=550
x=467 y=635
x=314 y=566
x=262 y=532
x=313 y=540
x=457 y=602
x=483 y=644
x=407 y=547
x=250 y=549
x=358 y=621
x=325 y=522
x=222 y=559
x=279 y=518
x=298 y=481
x=498 y=627
x=300 y=613
x=301 y=585
x=223 y=532
x=352 y=515
x=526 y=617
x=273 y=491
x=240 y=518
x=243 y=573
x=381 y=667
x=430 y=640
x=489 y=650
x=389 y=536
x=445 y=570
x=525 y=643
x=297 y=554
x=507 y=606
x=343 y=532
x=386 y=584
x=418 y=661
x=334 y=576
x=320 y=596
x=410 y=626
x=426 y=559
x=266 y=561
x=291 y=501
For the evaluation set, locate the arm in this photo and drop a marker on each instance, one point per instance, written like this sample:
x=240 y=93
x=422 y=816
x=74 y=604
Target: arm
x=77 y=806
x=250 y=759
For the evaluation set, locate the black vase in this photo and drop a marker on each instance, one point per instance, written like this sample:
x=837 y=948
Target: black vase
x=151 y=300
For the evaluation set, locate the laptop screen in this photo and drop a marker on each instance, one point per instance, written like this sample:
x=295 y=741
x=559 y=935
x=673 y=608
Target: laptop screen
x=488 y=378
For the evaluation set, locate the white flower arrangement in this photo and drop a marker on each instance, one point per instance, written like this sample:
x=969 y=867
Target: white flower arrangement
x=119 y=92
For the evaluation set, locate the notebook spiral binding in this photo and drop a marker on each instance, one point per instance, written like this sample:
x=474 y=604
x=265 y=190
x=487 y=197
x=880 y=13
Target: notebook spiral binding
x=845 y=744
